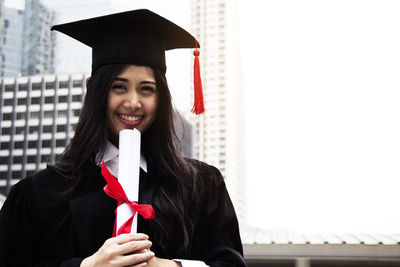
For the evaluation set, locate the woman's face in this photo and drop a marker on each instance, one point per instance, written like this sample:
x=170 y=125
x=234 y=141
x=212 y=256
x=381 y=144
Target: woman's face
x=132 y=101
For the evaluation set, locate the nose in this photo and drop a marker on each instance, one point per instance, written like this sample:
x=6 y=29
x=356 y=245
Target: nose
x=132 y=100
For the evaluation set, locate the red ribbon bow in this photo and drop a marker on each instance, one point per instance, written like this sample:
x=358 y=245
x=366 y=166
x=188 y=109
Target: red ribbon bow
x=115 y=190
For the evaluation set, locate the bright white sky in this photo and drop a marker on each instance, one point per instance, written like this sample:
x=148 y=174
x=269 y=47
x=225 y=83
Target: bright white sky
x=322 y=82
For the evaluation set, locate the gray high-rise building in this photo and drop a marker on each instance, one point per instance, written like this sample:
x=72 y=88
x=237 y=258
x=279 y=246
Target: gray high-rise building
x=1 y=26
x=12 y=50
x=28 y=44
x=37 y=119
x=220 y=132
x=39 y=42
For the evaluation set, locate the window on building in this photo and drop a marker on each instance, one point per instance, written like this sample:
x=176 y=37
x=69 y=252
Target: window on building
x=37 y=86
x=20 y=130
x=60 y=143
x=20 y=116
x=35 y=100
x=63 y=84
x=76 y=98
x=76 y=112
x=61 y=128
x=32 y=144
x=62 y=99
x=6 y=23
x=8 y=102
x=48 y=114
x=23 y=87
x=16 y=175
x=7 y=117
x=21 y=101
x=49 y=99
x=62 y=113
x=50 y=85
x=33 y=129
x=9 y=87
x=31 y=159
x=17 y=160
x=47 y=128
x=6 y=131
x=3 y=160
x=4 y=146
x=76 y=84
x=44 y=158
x=46 y=143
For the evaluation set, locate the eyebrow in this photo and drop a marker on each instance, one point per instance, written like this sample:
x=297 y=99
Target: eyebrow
x=126 y=80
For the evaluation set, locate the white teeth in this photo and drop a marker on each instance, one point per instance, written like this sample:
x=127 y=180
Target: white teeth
x=130 y=118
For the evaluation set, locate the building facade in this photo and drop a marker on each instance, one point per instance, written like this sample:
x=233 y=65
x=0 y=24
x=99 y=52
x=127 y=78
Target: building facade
x=220 y=133
x=12 y=50
x=38 y=42
x=2 y=19
x=37 y=119
x=28 y=44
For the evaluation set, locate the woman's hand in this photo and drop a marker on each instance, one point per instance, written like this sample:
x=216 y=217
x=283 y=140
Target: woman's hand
x=123 y=250
x=159 y=262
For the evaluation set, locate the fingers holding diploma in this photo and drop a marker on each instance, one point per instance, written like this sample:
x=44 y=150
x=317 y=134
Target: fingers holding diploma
x=123 y=250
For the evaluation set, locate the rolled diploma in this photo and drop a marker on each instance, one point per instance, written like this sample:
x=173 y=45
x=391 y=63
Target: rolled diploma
x=128 y=174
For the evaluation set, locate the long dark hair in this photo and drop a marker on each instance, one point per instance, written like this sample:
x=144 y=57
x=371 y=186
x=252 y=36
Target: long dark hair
x=176 y=186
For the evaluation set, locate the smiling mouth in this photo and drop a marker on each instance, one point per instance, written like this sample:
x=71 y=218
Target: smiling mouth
x=130 y=118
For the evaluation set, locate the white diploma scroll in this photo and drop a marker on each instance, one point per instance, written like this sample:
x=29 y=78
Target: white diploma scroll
x=128 y=174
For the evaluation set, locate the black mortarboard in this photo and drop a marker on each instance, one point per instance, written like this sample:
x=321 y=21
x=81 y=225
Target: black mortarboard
x=138 y=37
x=134 y=37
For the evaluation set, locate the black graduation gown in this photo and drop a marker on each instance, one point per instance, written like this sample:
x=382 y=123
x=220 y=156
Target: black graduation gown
x=40 y=228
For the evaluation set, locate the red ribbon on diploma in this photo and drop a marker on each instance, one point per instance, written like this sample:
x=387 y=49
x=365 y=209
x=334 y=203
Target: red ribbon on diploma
x=115 y=190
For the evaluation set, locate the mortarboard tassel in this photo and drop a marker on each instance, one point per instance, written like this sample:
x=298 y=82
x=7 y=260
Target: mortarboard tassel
x=198 y=105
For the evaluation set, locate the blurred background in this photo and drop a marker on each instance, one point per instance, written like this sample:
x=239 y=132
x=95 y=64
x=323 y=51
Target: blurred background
x=302 y=113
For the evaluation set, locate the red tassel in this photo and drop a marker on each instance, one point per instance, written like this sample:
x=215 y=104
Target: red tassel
x=198 y=105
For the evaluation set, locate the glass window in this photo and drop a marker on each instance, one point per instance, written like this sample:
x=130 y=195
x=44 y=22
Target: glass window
x=4 y=146
x=32 y=144
x=33 y=129
x=35 y=100
x=60 y=143
x=46 y=143
x=62 y=99
x=77 y=83
x=17 y=160
x=47 y=128
x=49 y=99
x=31 y=159
x=76 y=98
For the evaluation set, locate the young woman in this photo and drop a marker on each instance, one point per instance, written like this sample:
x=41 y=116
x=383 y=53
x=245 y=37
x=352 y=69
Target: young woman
x=62 y=217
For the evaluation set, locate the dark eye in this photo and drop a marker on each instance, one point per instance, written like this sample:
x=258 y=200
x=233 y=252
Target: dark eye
x=118 y=87
x=147 y=89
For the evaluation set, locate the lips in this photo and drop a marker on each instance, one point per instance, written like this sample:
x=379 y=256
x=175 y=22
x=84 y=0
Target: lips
x=130 y=120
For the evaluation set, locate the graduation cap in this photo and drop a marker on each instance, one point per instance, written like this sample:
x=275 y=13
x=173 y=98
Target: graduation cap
x=138 y=37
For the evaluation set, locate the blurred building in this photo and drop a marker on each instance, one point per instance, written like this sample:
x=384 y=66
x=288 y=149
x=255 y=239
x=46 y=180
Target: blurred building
x=37 y=119
x=28 y=45
x=220 y=132
x=2 y=6
x=13 y=36
x=39 y=42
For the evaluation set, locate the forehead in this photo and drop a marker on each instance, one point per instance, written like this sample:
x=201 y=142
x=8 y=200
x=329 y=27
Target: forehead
x=136 y=71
